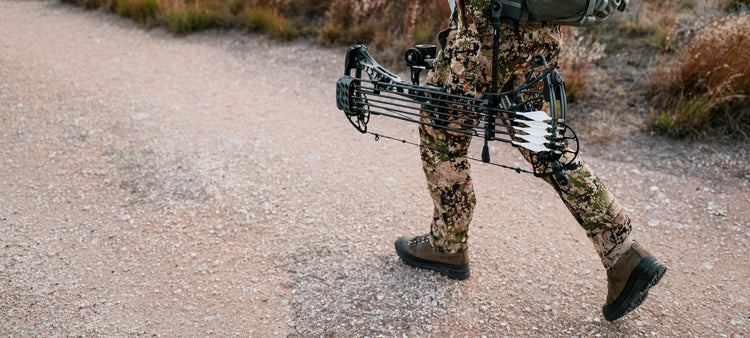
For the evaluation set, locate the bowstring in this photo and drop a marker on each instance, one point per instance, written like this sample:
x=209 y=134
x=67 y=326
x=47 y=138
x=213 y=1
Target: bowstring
x=518 y=170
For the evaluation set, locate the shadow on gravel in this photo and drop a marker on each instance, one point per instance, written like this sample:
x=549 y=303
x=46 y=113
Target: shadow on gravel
x=154 y=176
x=338 y=293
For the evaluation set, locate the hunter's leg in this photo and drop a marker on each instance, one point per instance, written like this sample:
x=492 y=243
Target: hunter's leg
x=449 y=183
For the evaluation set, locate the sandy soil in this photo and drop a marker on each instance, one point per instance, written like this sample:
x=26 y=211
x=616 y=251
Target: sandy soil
x=186 y=186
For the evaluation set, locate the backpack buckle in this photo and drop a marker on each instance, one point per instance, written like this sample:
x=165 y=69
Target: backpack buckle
x=587 y=19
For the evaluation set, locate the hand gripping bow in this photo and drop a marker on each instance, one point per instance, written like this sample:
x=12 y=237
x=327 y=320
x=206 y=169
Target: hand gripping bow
x=513 y=117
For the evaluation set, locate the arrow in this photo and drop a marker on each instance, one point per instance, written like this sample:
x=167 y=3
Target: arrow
x=536 y=115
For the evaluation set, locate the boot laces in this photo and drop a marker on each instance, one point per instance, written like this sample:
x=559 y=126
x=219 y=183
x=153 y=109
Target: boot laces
x=419 y=240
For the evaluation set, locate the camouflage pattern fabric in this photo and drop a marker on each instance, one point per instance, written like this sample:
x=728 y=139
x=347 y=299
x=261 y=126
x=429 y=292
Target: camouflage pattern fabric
x=464 y=64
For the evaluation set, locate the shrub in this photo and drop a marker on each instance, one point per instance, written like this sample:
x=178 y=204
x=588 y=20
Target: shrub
x=93 y=4
x=236 y=7
x=142 y=12
x=189 y=19
x=708 y=88
x=330 y=33
x=304 y=15
x=269 y=21
x=736 y=5
x=88 y=4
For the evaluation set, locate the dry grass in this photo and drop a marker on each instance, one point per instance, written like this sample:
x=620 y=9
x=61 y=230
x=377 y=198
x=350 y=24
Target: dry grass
x=598 y=127
x=388 y=27
x=708 y=89
x=392 y=25
x=579 y=51
x=141 y=11
x=263 y=20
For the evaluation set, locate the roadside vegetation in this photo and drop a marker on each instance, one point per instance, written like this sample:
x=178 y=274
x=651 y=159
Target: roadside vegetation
x=695 y=50
x=704 y=87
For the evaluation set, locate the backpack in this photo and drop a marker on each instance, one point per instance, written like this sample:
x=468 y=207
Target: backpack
x=577 y=13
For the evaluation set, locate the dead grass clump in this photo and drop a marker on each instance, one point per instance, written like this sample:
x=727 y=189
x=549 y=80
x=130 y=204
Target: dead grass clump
x=143 y=12
x=88 y=4
x=578 y=52
x=305 y=16
x=708 y=88
x=189 y=19
x=269 y=21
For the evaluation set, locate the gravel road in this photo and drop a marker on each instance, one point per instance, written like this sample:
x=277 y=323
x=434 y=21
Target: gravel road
x=206 y=184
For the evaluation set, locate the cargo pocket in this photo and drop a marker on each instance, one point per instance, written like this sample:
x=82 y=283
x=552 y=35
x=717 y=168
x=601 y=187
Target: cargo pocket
x=465 y=58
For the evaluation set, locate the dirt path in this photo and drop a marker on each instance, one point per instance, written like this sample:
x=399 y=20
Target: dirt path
x=186 y=186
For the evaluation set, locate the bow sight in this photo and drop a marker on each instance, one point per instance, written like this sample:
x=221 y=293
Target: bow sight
x=514 y=117
x=419 y=58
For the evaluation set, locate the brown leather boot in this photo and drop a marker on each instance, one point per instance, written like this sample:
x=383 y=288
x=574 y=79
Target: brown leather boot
x=418 y=252
x=629 y=281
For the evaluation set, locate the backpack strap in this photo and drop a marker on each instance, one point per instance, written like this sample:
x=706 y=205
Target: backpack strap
x=512 y=9
x=589 y=17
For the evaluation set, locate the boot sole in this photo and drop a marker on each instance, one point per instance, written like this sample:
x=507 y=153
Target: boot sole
x=646 y=274
x=452 y=271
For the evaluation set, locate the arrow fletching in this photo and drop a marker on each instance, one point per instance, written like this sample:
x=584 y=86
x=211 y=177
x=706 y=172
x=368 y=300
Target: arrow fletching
x=534 y=131
x=534 y=124
x=536 y=115
x=533 y=139
x=531 y=146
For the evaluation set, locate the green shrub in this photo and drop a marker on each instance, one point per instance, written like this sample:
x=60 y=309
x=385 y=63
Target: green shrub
x=188 y=20
x=691 y=117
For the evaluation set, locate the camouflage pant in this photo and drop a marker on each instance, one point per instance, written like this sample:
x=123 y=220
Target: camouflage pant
x=465 y=64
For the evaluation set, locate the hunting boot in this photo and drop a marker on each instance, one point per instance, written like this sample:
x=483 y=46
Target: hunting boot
x=629 y=280
x=418 y=252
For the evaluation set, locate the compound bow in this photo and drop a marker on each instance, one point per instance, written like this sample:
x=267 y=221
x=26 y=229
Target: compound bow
x=511 y=117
